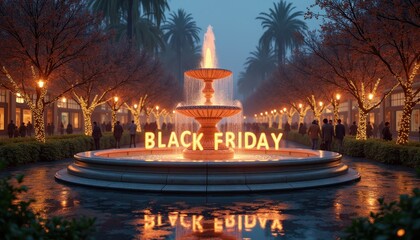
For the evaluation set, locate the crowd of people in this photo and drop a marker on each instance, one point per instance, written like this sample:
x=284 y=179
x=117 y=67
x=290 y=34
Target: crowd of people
x=20 y=131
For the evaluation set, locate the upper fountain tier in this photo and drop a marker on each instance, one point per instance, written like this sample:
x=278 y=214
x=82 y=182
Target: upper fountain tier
x=208 y=73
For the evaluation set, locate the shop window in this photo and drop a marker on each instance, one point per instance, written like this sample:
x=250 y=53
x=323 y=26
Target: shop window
x=65 y=119
x=71 y=104
x=75 y=120
x=27 y=115
x=2 y=118
x=17 y=117
x=397 y=99
x=62 y=103
x=19 y=99
x=3 y=95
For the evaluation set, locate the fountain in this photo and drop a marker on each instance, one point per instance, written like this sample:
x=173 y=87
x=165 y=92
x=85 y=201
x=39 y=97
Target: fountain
x=208 y=115
x=207 y=170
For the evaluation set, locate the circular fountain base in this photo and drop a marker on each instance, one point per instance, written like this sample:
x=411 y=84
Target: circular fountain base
x=163 y=171
x=208 y=154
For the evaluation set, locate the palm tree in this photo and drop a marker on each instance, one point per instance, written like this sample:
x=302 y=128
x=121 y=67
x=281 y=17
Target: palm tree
x=136 y=16
x=181 y=34
x=262 y=61
x=282 y=28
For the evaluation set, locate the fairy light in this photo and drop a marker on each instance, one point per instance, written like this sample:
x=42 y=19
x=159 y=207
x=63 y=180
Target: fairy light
x=338 y=96
x=63 y=99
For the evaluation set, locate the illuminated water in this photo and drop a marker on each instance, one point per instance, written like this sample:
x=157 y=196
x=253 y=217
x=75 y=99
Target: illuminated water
x=237 y=158
x=319 y=213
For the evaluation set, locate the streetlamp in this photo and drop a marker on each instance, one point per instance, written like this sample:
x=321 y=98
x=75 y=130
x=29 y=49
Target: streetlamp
x=41 y=83
x=336 y=103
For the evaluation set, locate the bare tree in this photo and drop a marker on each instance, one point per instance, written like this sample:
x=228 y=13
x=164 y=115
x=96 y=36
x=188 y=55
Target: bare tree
x=39 y=39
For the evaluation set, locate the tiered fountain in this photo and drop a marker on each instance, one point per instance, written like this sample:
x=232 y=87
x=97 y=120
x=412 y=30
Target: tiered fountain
x=207 y=170
x=208 y=115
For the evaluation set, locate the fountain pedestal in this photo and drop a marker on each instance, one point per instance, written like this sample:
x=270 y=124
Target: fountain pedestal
x=208 y=115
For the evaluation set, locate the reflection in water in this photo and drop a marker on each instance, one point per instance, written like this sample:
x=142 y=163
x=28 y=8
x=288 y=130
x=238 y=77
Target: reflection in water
x=319 y=213
x=211 y=225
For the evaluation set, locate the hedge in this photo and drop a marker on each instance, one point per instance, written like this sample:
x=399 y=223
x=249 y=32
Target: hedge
x=373 y=149
x=55 y=148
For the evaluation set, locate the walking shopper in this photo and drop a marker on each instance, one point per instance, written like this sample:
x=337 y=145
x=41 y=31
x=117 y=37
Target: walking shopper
x=386 y=132
x=96 y=134
x=353 y=129
x=340 y=132
x=327 y=133
x=132 y=129
x=11 y=129
x=314 y=132
x=118 y=131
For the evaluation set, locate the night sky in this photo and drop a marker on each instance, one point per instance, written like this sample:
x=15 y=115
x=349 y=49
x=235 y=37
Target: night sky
x=236 y=29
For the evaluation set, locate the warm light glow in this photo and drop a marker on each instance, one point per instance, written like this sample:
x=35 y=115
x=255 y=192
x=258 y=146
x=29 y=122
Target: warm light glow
x=255 y=115
x=400 y=232
x=228 y=138
x=281 y=111
x=337 y=96
x=261 y=114
x=41 y=83
x=157 y=108
x=272 y=112
x=63 y=99
x=173 y=111
x=275 y=110
x=285 y=109
x=115 y=99
x=135 y=106
x=18 y=95
x=209 y=58
x=244 y=117
x=370 y=96
x=266 y=113
x=300 y=105
x=320 y=104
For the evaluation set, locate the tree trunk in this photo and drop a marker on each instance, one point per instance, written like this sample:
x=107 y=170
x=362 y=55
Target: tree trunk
x=301 y=117
x=87 y=116
x=335 y=113
x=317 y=115
x=114 y=119
x=39 y=126
x=137 y=121
x=361 y=129
x=405 y=124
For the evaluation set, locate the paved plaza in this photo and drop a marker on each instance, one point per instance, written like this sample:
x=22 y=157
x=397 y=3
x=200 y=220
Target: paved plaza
x=319 y=213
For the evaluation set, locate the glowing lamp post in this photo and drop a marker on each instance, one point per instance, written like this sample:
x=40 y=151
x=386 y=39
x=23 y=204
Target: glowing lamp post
x=336 y=103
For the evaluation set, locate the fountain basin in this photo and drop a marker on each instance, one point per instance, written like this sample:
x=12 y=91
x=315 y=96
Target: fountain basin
x=208 y=73
x=163 y=170
x=208 y=111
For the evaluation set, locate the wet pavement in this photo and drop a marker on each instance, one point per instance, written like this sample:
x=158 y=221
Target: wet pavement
x=319 y=213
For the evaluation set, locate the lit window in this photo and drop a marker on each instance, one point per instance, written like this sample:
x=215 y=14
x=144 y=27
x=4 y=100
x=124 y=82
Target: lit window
x=71 y=104
x=397 y=99
x=61 y=104
x=19 y=99
x=3 y=95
